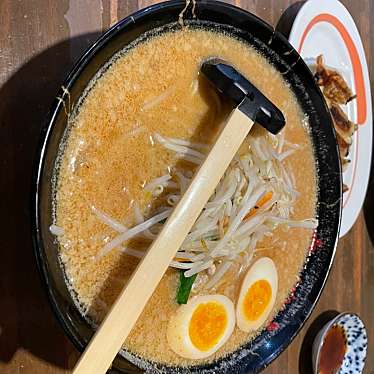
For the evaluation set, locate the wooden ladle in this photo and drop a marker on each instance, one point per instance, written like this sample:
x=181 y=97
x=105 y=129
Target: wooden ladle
x=251 y=106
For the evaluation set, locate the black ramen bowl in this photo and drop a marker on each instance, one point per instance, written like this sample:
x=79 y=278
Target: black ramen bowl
x=257 y=354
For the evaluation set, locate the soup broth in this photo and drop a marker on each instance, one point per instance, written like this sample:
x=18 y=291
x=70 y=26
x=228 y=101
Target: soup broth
x=111 y=154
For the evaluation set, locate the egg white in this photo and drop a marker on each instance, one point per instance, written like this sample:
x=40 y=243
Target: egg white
x=262 y=269
x=178 y=329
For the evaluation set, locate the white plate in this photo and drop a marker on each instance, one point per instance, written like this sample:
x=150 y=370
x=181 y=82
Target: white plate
x=326 y=27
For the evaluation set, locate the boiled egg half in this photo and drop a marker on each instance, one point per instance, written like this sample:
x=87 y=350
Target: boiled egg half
x=200 y=327
x=257 y=295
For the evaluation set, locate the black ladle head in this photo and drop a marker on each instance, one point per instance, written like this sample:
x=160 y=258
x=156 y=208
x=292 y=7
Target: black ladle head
x=233 y=85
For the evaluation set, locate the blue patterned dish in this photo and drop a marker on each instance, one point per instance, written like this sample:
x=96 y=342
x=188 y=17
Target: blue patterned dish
x=356 y=344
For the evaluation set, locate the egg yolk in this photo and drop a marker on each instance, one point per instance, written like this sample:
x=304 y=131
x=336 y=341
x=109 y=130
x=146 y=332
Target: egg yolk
x=207 y=325
x=257 y=299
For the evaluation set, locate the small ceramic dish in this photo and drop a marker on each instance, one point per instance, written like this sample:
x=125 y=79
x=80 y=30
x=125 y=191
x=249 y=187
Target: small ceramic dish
x=355 y=343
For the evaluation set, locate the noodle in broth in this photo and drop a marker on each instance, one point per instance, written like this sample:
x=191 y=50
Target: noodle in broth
x=138 y=136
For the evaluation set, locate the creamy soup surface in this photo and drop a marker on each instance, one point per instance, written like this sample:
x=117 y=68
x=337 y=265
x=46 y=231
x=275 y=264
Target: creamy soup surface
x=110 y=155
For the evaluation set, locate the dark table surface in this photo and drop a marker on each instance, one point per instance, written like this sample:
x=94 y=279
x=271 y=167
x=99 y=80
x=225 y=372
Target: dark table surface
x=39 y=42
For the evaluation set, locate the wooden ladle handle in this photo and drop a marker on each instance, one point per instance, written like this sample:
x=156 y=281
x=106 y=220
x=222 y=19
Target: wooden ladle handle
x=118 y=323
